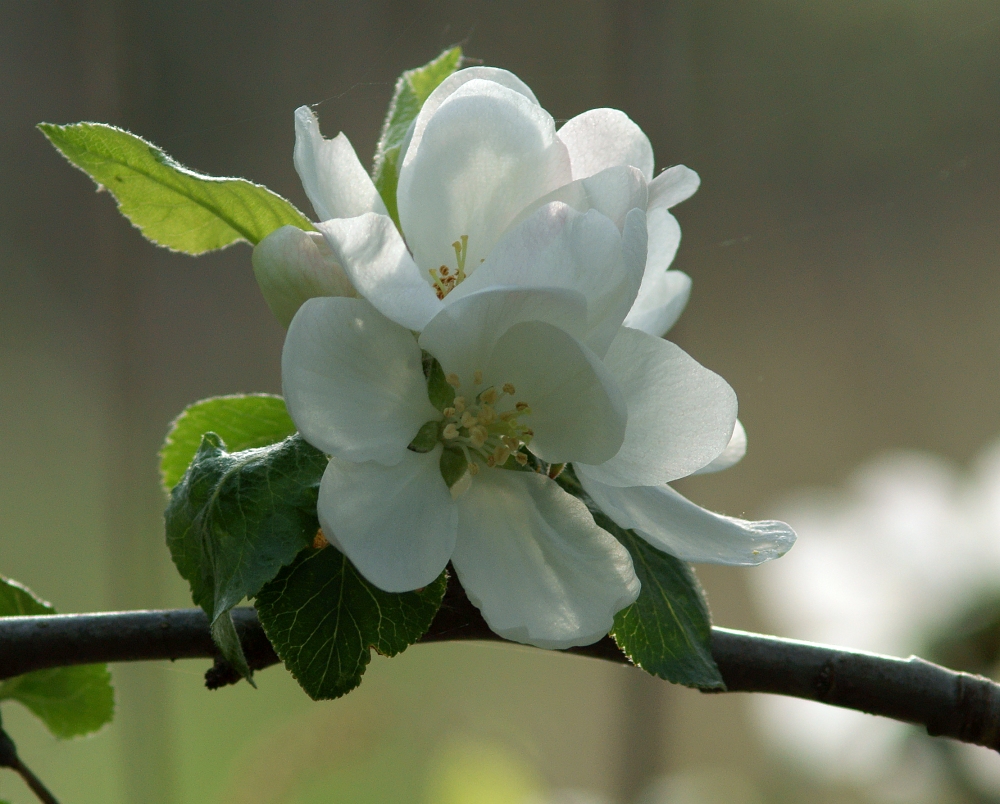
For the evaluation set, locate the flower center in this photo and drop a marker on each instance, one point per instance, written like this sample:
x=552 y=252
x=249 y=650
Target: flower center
x=444 y=279
x=484 y=425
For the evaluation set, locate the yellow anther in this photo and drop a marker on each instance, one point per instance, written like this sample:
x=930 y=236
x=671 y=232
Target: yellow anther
x=501 y=454
x=491 y=461
x=521 y=407
x=521 y=458
x=459 y=404
x=477 y=378
x=512 y=443
x=489 y=396
x=453 y=381
x=508 y=388
x=478 y=435
x=474 y=468
x=487 y=415
x=448 y=412
x=450 y=431
x=468 y=419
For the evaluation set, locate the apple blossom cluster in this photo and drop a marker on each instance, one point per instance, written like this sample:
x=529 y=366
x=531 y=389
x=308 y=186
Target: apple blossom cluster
x=509 y=324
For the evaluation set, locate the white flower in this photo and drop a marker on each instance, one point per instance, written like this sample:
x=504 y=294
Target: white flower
x=885 y=565
x=482 y=156
x=534 y=368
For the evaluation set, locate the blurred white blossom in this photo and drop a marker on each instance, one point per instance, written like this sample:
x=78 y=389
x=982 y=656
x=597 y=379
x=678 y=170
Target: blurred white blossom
x=891 y=563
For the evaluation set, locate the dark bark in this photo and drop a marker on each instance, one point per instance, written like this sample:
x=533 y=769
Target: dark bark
x=947 y=703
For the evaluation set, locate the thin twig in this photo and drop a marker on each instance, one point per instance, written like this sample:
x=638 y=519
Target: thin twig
x=947 y=703
x=10 y=759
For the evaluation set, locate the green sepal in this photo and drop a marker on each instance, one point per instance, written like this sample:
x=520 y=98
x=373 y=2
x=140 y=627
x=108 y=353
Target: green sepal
x=236 y=519
x=412 y=89
x=453 y=465
x=440 y=392
x=70 y=701
x=243 y=421
x=171 y=205
x=323 y=619
x=667 y=631
x=427 y=437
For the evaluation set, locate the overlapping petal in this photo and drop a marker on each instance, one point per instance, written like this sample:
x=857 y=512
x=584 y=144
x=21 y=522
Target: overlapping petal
x=673 y=186
x=375 y=258
x=353 y=381
x=663 y=294
x=332 y=175
x=531 y=558
x=463 y=335
x=577 y=411
x=558 y=247
x=486 y=153
x=602 y=138
x=680 y=414
x=677 y=526
x=396 y=524
x=612 y=192
x=731 y=455
x=292 y=265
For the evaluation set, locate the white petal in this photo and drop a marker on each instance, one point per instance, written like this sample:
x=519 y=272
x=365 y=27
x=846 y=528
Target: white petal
x=376 y=260
x=292 y=265
x=397 y=524
x=672 y=186
x=484 y=155
x=558 y=247
x=463 y=334
x=331 y=173
x=353 y=381
x=577 y=411
x=677 y=526
x=533 y=561
x=612 y=192
x=680 y=414
x=731 y=455
x=603 y=138
x=657 y=309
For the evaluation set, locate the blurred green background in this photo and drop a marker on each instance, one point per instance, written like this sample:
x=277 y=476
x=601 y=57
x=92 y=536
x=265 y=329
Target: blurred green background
x=844 y=247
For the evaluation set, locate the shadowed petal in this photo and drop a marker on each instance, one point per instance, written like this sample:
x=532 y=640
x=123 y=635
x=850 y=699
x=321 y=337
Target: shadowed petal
x=353 y=381
x=396 y=524
x=677 y=526
x=533 y=561
x=603 y=138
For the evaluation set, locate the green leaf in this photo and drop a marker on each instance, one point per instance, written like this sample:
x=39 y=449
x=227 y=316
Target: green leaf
x=171 y=205
x=71 y=701
x=242 y=421
x=323 y=619
x=236 y=519
x=440 y=392
x=412 y=89
x=667 y=631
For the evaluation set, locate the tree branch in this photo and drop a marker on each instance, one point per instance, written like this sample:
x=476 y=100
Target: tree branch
x=947 y=703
